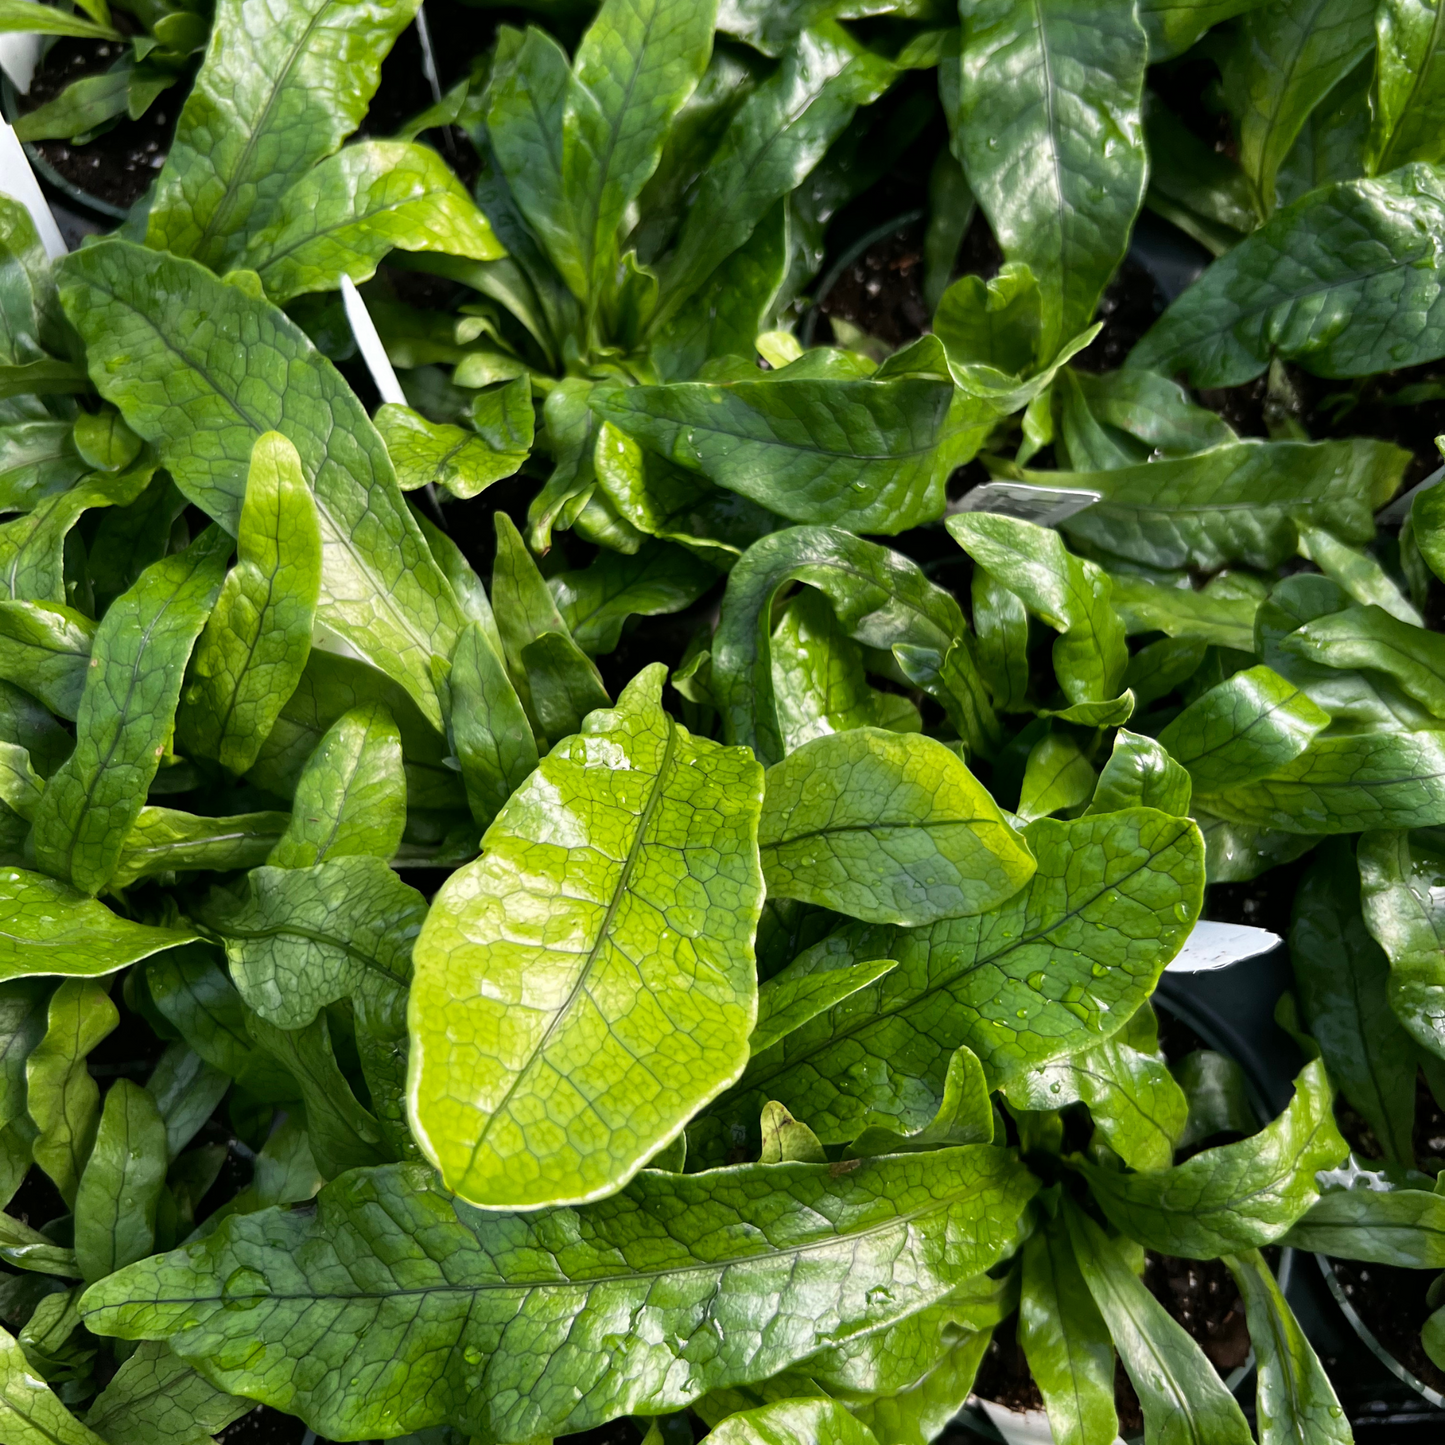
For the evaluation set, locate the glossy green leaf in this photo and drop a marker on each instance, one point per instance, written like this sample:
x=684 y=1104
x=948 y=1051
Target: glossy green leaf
x=120 y=1188
x=255 y=643
x=1137 y=1108
x=343 y=215
x=46 y=650
x=1296 y=1399
x=299 y=938
x=426 y=453
x=1184 y=1401
x=1344 y=980
x=489 y=728
x=62 y=1098
x=790 y=999
x=49 y=928
x=126 y=713
x=1002 y=625
x=32 y=547
x=833 y=1252
x=774 y=139
x=1071 y=595
x=1370 y=639
x=186 y=1090
x=30 y=1413
x=1050 y=132
x=37 y=459
x=638 y=62
x=1182 y=613
x=887 y=827
x=1237 y=503
x=351 y=797
x=1400 y=1227
x=1174 y=25
x=157 y=1399
x=1218 y=1096
x=1331 y=143
x=1409 y=96
x=1246 y=728
x=147 y=315
x=164 y=840
x=1057 y=777
x=1065 y=1340
x=965 y=1115
x=1284 y=61
x=819 y=684
x=561 y=1075
x=1233 y=1197
x=1345 y=783
x=859 y=453
x=794 y=1422
x=1358 y=252
x=1401 y=898
x=1062 y=964
x=127 y=539
x=563 y=683
x=1358 y=574
x=276 y=94
x=1140 y=774
x=597 y=601
x=880 y=598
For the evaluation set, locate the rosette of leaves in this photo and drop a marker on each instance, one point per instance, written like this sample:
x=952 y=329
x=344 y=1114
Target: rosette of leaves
x=158 y=46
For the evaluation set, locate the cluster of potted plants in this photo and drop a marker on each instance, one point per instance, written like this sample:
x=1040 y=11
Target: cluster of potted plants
x=601 y=757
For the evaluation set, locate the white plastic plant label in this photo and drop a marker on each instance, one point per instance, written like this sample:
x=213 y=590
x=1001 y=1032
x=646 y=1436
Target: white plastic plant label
x=20 y=58
x=1217 y=945
x=373 y=353
x=1022 y=1427
x=18 y=180
x=1047 y=506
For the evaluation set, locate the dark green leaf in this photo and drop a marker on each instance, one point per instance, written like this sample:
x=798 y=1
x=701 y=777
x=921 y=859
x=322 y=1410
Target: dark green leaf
x=881 y=599
x=1401 y=897
x=858 y=452
x=46 y=650
x=1296 y=1400
x=1362 y=250
x=146 y=314
x=255 y=644
x=126 y=713
x=873 y=1237
x=115 y=1204
x=1050 y=132
x=1140 y=774
x=1057 y=967
x=1233 y=1197
x=1184 y=1401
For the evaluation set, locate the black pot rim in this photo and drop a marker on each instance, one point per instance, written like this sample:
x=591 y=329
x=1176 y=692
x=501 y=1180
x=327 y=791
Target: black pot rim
x=1395 y=1367
x=10 y=103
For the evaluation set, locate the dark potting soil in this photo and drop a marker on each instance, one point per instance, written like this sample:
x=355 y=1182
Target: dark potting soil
x=881 y=292
x=264 y=1426
x=1428 y=1137
x=118 y=166
x=1392 y=1304
x=1200 y=1295
x=1263 y=902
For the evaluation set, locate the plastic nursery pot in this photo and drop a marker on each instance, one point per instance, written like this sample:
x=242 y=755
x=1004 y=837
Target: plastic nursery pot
x=1232 y=1011
x=1344 y=1298
x=69 y=190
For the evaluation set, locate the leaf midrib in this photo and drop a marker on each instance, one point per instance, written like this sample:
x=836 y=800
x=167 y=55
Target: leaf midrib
x=339 y=536
x=940 y=985
x=604 y=932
